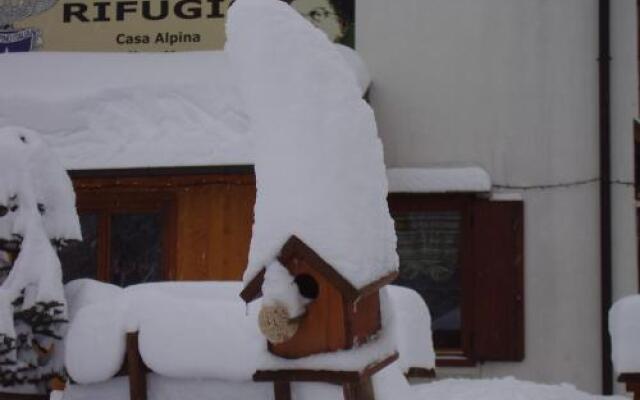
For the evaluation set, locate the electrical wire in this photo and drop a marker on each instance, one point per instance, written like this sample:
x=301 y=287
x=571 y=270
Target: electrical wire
x=561 y=185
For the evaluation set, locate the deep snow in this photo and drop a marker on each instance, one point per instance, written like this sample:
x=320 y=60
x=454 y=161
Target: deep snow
x=319 y=165
x=106 y=110
x=439 y=179
x=450 y=389
x=182 y=324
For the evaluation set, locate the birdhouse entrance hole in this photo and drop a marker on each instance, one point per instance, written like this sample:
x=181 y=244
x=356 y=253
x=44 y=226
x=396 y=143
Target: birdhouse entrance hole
x=307 y=286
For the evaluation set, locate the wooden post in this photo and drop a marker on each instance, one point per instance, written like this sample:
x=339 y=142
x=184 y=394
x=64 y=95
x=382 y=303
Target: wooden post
x=356 y=385
x=362 y=390
x=19 y=396
x=282 y=390
x=136 y=369
x=635 y=388
x=632 y=382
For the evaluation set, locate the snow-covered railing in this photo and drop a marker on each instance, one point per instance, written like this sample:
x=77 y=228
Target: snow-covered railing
x=196 y=330
x=624 y=326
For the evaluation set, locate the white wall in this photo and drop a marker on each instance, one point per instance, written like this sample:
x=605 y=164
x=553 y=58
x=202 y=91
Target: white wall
x=512 y=86
x=624 y=99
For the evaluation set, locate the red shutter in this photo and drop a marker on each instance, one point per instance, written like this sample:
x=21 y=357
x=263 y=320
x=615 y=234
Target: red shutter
x=498 y=326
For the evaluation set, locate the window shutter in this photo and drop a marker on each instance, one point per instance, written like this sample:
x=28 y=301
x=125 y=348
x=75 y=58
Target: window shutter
x=498 y=326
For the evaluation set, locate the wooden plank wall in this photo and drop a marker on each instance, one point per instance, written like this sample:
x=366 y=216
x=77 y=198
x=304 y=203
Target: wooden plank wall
x=214 y=231
x=209 y=235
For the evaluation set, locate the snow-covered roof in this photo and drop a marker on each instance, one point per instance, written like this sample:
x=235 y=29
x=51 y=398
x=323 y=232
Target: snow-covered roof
x=134 y=110
x=130 y=110
x=439 y=179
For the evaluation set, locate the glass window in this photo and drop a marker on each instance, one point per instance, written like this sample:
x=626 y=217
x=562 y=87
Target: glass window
x=123 y=238
x=136 y=248
x=429 y=250
x=80 y=259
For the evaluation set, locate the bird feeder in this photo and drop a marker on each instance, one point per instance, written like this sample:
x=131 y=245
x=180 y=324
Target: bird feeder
x=338 y=317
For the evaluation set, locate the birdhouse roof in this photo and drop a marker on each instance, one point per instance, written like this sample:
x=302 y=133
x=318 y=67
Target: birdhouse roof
x=296 y=248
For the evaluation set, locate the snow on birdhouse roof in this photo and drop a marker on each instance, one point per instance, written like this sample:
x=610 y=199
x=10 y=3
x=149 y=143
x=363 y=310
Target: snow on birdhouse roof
x=133 y=110
x=320 y=170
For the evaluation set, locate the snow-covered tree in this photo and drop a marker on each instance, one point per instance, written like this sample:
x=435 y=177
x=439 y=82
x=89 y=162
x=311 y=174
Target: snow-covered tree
x=37 y=213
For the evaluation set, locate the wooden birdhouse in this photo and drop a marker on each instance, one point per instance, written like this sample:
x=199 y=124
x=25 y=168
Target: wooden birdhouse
x=338 y=316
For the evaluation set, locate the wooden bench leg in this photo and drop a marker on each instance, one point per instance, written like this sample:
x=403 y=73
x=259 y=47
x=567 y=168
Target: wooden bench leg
x=635 y=388
x=136 y=369
x=282 y=390
x=362 y=390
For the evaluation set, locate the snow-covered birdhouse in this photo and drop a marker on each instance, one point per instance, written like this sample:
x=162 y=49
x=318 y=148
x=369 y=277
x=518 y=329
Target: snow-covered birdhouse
x=336 y=315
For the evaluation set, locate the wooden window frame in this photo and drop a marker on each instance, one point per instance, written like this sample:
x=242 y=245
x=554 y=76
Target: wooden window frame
x=491 y=262
x=107 y=203
x=408 y=202
x=174 y=188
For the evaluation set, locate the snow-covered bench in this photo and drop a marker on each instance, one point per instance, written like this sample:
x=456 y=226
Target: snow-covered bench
x=203 y=330
x=624 y=326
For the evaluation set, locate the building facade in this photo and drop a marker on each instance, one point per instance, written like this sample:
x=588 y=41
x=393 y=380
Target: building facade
x=513 y=87
x=510 y=87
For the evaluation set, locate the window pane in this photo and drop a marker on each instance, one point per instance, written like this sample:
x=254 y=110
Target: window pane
x=429 y=247
x=80 y=259
x=136 y=248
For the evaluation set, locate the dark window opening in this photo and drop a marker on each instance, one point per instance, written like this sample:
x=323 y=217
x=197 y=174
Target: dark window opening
x=124 y=239
x=464 y=256
x=136 y=248
x=80 y=259
x=429 y=250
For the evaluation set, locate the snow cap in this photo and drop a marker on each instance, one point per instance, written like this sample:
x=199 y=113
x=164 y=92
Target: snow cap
x=319 y=163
